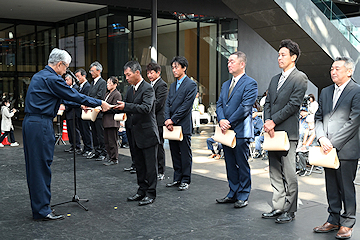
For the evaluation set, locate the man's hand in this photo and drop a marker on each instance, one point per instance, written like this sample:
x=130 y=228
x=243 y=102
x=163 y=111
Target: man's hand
x=105 y=106
x=269 y=125
x=325 y=144
x=120 y=106
x=169 y=124
x=224 y=125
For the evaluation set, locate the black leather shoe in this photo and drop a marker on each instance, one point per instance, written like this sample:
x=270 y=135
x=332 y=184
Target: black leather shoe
x=272 y=214
x=127 y=169
x=92 y=155
x=110 y=162
x=183 y=186
x=100 y=158
x=225 y=200
x=285 y=217
x=133 y=171
x=70 y=150
x=241 y=203
x=173 y=184
x=146 y=201
x=136 y=197
x=52 y=216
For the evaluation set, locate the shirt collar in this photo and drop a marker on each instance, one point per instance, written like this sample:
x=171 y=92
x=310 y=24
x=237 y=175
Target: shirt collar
x=341 y=88
x=96 y=79
x=287 y=73
x=82 y=85
x=179 y=81
x=138 y=84
x=236 y=79
x=153 y=82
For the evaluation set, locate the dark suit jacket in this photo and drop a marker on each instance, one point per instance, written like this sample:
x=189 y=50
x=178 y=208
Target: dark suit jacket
x=85 y=89
x=108 y=116
x=179 y=103
x=98 y=91
x=283 y=106
x=161 y=93
x=341 y=125
x=237 y=108
x=69 y=106
x=141 y=115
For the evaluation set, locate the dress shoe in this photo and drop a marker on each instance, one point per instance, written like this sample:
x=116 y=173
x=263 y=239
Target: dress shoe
x=52 y=216
x=272 y=214
x=173 y=184
x=126 y=145
x=285 y=217
x=127 y=169
x=146 y=201
x=344 y=233
x=136 y=197
x=183 y=186
x=70 y=150
x=161 y=176
x=100 y=158
x=133 y=171
x=240 y=203
x=111 y=162
x=326 y=227
x=225 y=200
x=86 y=153
x=92 y=155
x=78 y=151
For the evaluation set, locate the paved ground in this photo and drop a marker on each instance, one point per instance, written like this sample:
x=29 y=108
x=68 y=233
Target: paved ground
x=192 y=214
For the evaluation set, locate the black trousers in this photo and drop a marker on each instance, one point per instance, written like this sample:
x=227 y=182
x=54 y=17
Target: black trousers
x=161 y=152
x=110 y=139
x=97 y=131
x=85 y=131
x=340 y=191
x=70 y=127
x=181 y=156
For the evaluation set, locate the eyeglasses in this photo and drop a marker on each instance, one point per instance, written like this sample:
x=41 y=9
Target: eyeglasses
x=65 y=65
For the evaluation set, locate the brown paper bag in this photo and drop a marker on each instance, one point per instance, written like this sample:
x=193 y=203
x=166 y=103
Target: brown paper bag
x=227 y=139
x=280 y=142
x=317 y=157
x=176 y=134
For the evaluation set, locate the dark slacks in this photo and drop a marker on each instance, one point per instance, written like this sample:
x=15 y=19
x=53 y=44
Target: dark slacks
x=97 y=131
x=70 y=127
x=181 y=156
x=283 y=179
x=85 y=131
x=340 y=191
x=110 y=139
x=39 y=141
x=238 y=169
x=131 y=146
x=146 y=170
x=161 y=152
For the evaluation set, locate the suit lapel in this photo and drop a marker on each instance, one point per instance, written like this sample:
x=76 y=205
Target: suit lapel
x=238 y=84
x=182 y=85
x=345 y=92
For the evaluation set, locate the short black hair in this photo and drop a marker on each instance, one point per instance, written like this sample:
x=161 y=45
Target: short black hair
x=153 y=66
x=82 y=72
x=312 y=96
x=292 y=46
x=133 y=65
x=180 y=60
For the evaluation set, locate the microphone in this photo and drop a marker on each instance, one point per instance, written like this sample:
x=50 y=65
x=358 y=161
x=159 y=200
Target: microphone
x=73 y=76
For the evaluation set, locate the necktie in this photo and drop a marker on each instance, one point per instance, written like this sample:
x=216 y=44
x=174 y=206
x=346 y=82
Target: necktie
x=177 y=85
x=281 y=82
x=232 y=85
x=336 y=96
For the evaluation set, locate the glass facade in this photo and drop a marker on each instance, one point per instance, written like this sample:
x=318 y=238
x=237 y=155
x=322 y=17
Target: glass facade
x=113 y=37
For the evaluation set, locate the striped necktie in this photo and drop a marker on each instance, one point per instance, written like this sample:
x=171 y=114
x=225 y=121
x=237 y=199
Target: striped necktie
x=281 y=82
x=232 y=85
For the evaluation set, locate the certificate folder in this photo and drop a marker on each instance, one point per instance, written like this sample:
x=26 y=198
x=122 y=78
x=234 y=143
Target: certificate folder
x=317 y=157
x=90 y=114
x=280 y=142
x=120 y=117
x=227 y=139
x=175 y=134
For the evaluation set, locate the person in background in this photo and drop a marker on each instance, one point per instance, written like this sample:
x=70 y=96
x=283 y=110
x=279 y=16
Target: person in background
x=6 y=123
x=215 y=148
x=195 y=115
x=313 y=105
x=258 y=125
x=110 y=125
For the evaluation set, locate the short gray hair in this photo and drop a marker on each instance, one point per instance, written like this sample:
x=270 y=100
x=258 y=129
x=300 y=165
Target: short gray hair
x=98 y=66
x=59 y=55
x=133 y=65
x=68 y=75
x=241 y=56
x=349 y=63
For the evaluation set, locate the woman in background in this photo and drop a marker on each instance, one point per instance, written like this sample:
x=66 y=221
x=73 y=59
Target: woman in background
x=6 y=123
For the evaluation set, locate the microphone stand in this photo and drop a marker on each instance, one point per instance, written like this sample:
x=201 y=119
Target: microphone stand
x=75 y=198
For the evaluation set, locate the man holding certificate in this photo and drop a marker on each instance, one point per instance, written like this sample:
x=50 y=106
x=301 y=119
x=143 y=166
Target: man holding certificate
x=337 y=124
x=281 y=113
x=234 y=112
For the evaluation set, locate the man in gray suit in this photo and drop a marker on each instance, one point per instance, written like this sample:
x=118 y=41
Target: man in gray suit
x=285 y=95
x=337 y=126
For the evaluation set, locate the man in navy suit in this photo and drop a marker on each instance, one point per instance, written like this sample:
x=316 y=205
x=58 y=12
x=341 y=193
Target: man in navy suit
x=337 y=126
x=178 y=113
x=234 y=111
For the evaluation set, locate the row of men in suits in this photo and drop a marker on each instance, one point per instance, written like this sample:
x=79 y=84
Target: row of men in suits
x=92 y=133
x=337 y=126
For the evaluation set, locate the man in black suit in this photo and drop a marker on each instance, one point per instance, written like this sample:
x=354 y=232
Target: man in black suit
x=337 y=124
x=178 y=113
x=142 y=131
x=72 y=112
x=84 y=125
x=281 y=113
x=97 y=90
x=153 y=73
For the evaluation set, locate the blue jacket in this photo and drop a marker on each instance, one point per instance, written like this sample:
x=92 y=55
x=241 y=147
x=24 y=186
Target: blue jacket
x=46 y=91
x=237 y=109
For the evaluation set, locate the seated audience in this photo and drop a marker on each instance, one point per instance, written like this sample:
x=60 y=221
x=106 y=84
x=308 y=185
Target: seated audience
x=215 y=148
